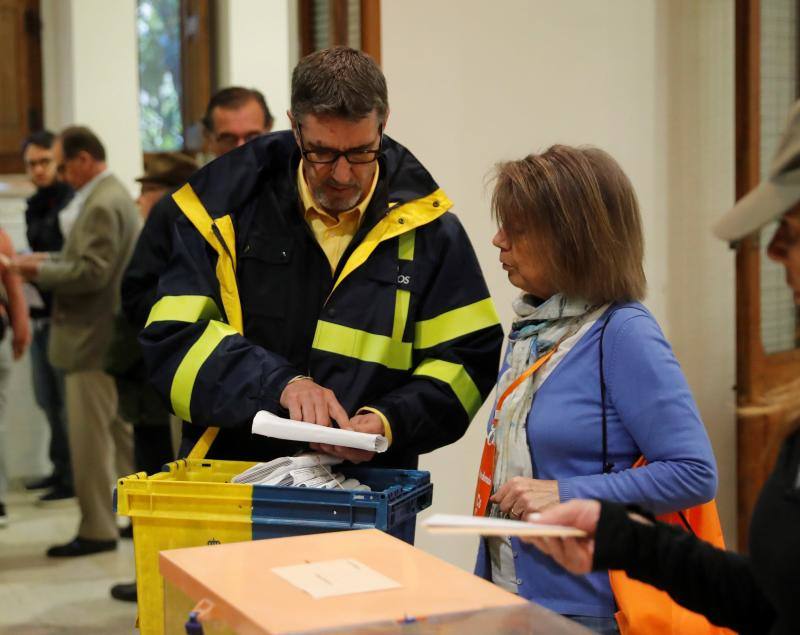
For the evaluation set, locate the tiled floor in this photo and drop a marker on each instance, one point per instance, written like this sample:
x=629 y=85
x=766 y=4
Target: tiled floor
x=40 y=595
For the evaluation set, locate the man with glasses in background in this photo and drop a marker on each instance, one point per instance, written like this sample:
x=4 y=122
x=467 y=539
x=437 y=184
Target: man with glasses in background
x=234 y=116
x=318 y=273
x=44 y=235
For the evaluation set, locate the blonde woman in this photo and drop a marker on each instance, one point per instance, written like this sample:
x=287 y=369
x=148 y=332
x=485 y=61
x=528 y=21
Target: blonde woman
x=607 y=389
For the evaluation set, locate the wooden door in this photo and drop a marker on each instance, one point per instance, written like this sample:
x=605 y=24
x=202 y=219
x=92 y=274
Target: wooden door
x=768 y=377
x=20 y=79
x=197 y=67
x=355 y=23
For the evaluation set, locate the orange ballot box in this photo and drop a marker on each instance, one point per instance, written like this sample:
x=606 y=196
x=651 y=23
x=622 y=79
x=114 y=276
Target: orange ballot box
x=320 y=582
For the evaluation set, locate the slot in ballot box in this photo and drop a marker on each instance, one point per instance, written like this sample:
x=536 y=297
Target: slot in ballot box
x=240 y=592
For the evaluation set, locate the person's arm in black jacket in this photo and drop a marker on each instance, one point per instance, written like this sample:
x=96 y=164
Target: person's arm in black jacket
x=715 y=583
x=210 y=374
x=718 y=584
x=150 y=258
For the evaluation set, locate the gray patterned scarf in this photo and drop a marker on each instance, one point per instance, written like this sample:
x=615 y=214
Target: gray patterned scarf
x=537 y=330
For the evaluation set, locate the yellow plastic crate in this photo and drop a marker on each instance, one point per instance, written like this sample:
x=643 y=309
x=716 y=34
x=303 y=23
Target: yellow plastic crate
x=193 y=503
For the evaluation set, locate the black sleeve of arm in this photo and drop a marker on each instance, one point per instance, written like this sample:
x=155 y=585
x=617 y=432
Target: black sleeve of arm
x=150 y=258
x=717 y=584
x=206 y=371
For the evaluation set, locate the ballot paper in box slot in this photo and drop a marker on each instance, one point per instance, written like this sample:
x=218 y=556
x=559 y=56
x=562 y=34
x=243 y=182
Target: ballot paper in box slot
x=270 y=425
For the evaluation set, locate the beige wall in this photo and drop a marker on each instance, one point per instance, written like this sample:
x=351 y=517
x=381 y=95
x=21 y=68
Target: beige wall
x=472 y=83
x=700 y=181
x=256 y=49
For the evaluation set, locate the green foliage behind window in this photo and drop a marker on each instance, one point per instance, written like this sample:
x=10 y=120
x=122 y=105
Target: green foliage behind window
x=158 y=24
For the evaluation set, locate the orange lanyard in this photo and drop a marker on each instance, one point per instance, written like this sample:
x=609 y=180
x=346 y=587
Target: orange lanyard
x=483 y=489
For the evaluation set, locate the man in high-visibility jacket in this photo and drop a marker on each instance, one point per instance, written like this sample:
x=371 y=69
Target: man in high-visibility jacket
x=318 y=273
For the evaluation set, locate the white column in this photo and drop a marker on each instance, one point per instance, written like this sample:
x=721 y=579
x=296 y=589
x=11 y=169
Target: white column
x=700 y=182
x=256 y=50
x=91 y=77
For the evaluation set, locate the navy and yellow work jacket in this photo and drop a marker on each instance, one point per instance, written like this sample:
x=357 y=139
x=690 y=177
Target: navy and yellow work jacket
x=404 y=325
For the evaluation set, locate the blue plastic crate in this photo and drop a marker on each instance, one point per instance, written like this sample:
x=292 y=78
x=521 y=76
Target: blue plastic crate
x=396 y=498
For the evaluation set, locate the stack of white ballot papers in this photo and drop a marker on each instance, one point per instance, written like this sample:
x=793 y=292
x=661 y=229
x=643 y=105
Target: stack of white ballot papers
x=270 y=425
x=303 y=470
x=487 y=526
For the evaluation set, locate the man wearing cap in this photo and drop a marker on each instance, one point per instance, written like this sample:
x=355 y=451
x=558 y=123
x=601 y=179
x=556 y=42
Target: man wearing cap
x=164 y=173
x=138 y=401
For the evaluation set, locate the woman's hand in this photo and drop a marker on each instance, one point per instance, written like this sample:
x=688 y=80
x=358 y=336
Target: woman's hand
x=521 y=496
x=574 y=554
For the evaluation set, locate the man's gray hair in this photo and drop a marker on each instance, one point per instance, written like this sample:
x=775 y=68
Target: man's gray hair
x=339 y=82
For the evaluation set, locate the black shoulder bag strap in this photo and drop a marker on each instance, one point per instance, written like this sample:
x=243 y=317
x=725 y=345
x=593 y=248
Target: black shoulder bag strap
x=607 y=466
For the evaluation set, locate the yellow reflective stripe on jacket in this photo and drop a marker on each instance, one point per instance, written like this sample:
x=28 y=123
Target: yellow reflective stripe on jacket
x=183 y=308
x=456 y=376
x=402 y=302
x=399 y=220
x=220 y=235
x=366 y=347
x=194 y=210
x=405 y=251
x=461 y=321
x=183 y=382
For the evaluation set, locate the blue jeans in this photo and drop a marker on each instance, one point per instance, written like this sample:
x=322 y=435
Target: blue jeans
x=48 y=390
x=602 y=625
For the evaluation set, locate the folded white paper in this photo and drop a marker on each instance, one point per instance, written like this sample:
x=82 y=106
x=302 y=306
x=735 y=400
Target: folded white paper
x=487 y=526
x=270 y=425
x=272 y=472
x=335 y=577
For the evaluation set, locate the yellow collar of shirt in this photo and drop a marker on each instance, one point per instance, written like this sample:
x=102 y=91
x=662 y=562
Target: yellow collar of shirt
x=311 y=208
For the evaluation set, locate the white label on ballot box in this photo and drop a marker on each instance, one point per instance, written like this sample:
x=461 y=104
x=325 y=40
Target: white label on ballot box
x=335 y=577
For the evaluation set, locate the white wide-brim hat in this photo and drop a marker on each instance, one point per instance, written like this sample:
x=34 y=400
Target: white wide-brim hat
x=775 y=195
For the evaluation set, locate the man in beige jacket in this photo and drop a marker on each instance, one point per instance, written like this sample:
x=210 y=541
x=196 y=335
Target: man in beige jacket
x=100 y=229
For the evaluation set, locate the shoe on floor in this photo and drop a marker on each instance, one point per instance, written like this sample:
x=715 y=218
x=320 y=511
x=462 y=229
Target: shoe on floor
x=81 y=547
x=56 y=494
x=125 y=592
x=3 y=515
x=43 y=483
x=126 y=532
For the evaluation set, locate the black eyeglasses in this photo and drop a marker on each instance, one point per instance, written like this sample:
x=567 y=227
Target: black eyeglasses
x=229 y=141
x=356 y=156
